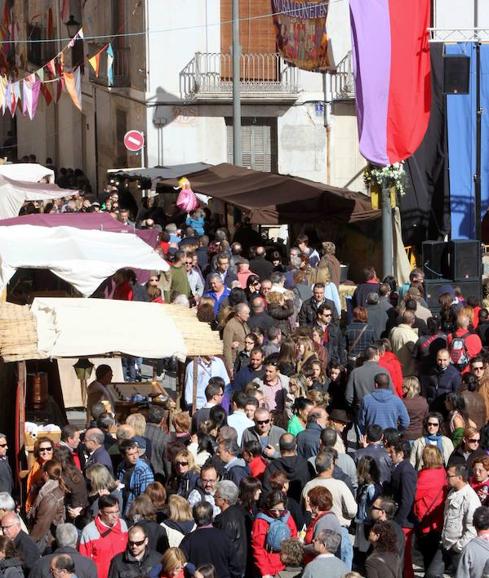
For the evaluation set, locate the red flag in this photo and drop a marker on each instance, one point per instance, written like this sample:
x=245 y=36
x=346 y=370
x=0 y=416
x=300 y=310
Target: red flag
x=48 y=97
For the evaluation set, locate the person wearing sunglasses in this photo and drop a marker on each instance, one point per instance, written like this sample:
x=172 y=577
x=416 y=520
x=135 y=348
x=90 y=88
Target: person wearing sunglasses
x=137 y=559
x=43 y=452
x=432 y=436
x=264 y=432
x=468 y=451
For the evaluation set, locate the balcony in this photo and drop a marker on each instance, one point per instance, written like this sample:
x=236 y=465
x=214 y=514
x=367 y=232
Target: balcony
x=120 y=66
x=342 y=81
x=208 y=76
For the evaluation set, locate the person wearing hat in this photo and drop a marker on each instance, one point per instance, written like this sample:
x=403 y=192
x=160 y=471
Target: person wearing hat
x=338 y=420
x=133 y=471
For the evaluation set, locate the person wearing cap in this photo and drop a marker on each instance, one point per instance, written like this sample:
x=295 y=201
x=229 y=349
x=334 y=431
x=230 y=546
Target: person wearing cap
x=134 y=472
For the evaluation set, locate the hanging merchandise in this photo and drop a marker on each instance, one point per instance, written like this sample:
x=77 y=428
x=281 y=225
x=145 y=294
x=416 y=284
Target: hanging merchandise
x=186 y=200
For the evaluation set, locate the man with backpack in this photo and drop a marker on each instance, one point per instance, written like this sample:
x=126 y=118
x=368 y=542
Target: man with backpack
x=462 y=344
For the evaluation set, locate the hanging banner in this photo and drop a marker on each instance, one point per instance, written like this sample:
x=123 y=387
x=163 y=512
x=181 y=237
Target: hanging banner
x=392 y=74
x=110 y=62
x=301 y=36
x=73 y=86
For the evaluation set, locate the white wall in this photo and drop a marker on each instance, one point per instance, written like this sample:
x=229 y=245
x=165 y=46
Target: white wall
x=456 y=14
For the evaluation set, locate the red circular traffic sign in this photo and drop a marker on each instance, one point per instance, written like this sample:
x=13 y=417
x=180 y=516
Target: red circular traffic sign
x=134 y=140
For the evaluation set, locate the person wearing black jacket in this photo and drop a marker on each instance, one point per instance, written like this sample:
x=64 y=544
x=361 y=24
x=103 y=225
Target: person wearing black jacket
x=209 y=545
x=24 y=544
x=232 y=521
x=6 y=479
x=308 y=312
x=66 y=539
x=137 y=559
x=403 y=488
x=295 y=467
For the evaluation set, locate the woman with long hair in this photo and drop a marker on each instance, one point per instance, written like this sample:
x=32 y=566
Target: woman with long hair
x=173 y=564
x=287 y=357
x=100 y=483
x=458 y=419
x=143 y=513
x=369 y=489
x=429 y=501
x=179 y=522
x=305 y=353
x=384 y=561
x=336 y=375
x=157 y=494
x=185 y=473
x=279 y=482
x=358 y=335
x=416 y=406
x=48 y=509
x=300 y=408
x=267 y=559
x=432 y=436
x=76 y=498
x=43 y=452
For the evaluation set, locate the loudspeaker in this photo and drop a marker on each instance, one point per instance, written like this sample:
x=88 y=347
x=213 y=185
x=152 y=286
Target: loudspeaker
x=464 y=260
x=432 y=290
x=456 y=74
x=435 y=260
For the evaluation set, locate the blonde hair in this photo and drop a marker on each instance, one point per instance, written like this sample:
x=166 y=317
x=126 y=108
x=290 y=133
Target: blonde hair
x=411 y=386
x=186 y=455
x=431 y=457
x=100 y=479
x=124 y=432
x=180 y=510
x=172 y=559
x=138 y=423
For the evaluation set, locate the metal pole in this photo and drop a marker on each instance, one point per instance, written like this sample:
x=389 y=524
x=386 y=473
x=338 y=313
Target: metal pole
x=387 y=237
x=478 y=134
x=237 y=156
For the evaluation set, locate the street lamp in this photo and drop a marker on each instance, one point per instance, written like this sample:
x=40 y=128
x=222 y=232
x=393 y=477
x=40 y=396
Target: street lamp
x=72 y=26
x=83 y=369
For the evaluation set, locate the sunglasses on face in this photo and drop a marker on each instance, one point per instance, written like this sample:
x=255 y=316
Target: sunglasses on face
x=473 y=441
x=431 y=424
x=181 y=463
x=45 y=450
x=263 y=422
x=136 y=542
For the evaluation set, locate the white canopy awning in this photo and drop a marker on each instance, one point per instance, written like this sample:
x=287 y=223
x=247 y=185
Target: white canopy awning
x=31 y=172
x=83 y=258
x=84 y=327
x=13 y=194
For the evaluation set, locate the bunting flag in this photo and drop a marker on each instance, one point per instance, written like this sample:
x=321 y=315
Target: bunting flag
x=46 y=92
x=51 y=66
x=392 y=75
x=73 y=86
x=3 y=89
x=94 y=62
x=110 y=62
x=8 y=96
x=30 y=99
x=40 y=74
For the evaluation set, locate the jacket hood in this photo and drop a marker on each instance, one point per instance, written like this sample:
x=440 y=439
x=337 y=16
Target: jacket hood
x=236 y=462
x=382 y=395
x=289 y=464
x=183 y=527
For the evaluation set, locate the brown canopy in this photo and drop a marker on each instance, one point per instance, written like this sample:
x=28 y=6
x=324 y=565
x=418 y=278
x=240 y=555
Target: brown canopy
x=279 y=199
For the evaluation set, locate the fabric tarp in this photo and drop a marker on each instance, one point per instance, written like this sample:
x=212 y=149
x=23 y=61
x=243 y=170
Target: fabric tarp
x=83 y=258
x=13 y=195
x=89 y=221
x=29 y=172
x=280 y=199
x=84 y=327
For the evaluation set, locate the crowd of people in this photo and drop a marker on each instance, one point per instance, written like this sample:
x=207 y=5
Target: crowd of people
x=334 y=437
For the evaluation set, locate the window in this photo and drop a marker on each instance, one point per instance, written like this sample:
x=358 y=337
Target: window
x=258 y=143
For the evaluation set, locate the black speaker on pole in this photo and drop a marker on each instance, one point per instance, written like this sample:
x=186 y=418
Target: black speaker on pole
x=456 y=74
x=435 y=260
x=465 y=260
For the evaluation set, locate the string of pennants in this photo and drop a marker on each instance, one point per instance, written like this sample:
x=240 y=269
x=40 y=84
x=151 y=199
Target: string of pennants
x=27 y=91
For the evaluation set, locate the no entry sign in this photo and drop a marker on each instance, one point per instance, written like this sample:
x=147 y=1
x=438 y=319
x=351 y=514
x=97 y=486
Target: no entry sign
x=134 y=141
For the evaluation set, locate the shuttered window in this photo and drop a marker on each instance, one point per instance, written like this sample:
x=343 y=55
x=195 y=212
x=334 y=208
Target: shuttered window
x=258 y=143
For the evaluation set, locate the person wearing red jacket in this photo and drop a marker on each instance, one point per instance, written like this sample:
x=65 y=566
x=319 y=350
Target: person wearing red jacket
x=391 y=363
x=268 y=562
x=429 y=502
x=105 y=537
x=472 y=341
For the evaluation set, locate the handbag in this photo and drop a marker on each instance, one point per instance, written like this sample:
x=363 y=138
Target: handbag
x=353 y=358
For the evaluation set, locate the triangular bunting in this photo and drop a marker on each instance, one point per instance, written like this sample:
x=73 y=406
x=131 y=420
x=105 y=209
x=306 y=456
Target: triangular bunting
x=110 y=62
x=51 y=66
x=40 y=74
x=46 y=92
x=94 y=62
x=73 y=86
